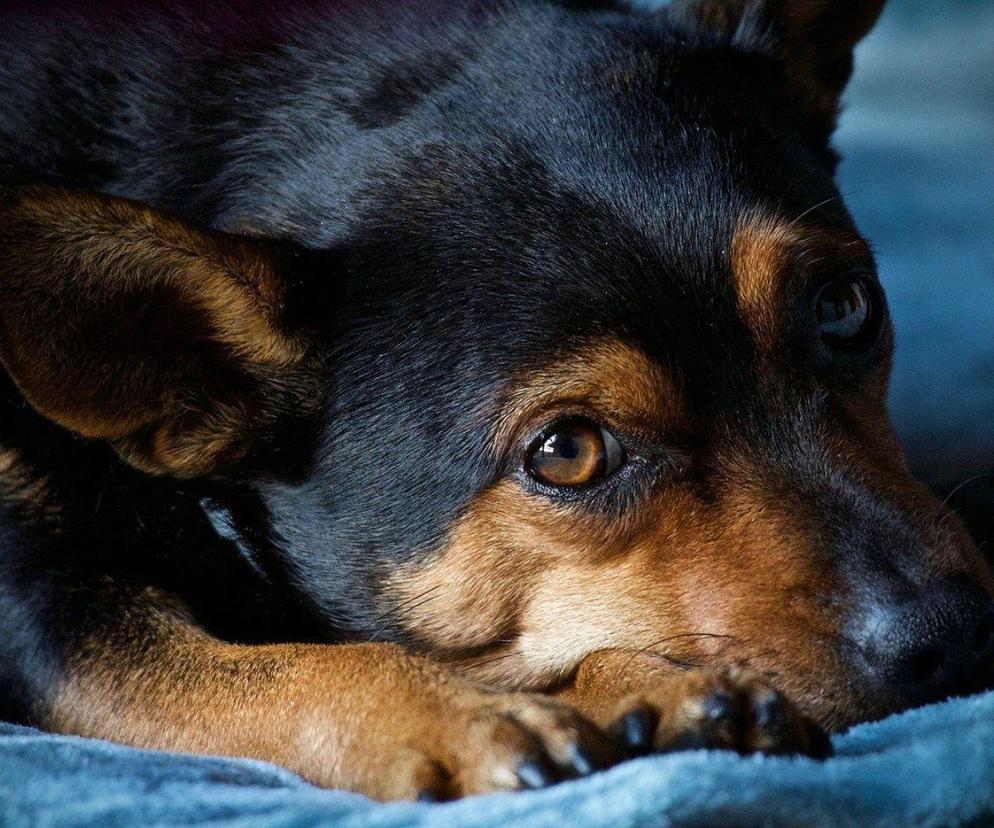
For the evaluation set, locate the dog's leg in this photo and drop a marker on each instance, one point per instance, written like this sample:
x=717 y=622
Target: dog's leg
x=130 y=665
x=654 y=706
x=99 y=656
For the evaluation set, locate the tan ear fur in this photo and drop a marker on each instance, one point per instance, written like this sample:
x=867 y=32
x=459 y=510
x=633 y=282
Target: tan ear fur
x=124 y=324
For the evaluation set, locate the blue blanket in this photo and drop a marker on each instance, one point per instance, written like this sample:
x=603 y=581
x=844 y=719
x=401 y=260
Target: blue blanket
x=918 y=176
x=933 y=766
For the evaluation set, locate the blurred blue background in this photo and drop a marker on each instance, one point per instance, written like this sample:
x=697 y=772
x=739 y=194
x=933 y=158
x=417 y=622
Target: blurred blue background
x=917 y=138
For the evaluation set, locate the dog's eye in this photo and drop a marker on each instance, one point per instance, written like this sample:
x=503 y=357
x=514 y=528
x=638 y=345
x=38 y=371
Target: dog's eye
x=848 y=313
x=574 y=453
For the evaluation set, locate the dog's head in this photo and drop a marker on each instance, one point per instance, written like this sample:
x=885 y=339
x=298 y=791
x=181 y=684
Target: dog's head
x=584 y=353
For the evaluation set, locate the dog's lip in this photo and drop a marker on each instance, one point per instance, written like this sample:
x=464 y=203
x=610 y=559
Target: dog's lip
x=856 y=701
x=837 y=708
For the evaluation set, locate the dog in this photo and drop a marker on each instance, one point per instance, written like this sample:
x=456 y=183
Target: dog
x=443 y=398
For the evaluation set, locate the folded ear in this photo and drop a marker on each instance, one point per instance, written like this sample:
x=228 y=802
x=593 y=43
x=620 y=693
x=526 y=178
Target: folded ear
x=123 y=324
x=813 y=39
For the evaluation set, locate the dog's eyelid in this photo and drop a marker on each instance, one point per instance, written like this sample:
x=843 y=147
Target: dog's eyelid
x=822 y=255
x=819 y=267
x=541 y=419
x=632 y=437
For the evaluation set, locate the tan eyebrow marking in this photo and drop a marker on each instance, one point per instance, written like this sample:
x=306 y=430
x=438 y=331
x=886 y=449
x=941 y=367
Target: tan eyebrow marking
x=610 y=377
x=767 y=252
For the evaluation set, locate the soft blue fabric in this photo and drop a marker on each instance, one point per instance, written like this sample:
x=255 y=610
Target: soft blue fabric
x=933 y=766
x=919 y=175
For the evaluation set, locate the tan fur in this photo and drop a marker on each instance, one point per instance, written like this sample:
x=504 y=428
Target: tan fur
x=608 y=377
x=525 y=588
x=22 y=488
x=365 y=717
x=772 y=258
x=508 y=551
x=127 y=325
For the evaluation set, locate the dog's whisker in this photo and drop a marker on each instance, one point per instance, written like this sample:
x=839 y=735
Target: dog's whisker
x=767 y=653
x=412 y=603
x=701 y=635
x=683 y=663
x=962 y=485
x=409 y=603
x=951 y=511
x=476 y=665
x=812 y=208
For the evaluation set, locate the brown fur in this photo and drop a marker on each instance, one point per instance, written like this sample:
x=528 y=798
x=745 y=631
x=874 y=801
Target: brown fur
x=26 y=491
x=607 y=612
x=376 y=719
x=526 y=594
x=366 y=717
x=610 y=377
x=87 y=279
x=506 y=551
x=772 y=260
x=526 y=588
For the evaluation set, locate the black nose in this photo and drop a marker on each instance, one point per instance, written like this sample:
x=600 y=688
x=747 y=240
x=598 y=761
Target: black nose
x=938 y=645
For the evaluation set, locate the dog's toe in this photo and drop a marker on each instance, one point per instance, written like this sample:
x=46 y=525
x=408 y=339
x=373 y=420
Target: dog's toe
x=717 y=711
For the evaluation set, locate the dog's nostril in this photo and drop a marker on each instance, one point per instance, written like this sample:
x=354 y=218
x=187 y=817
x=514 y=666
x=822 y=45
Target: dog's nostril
x=939 y=644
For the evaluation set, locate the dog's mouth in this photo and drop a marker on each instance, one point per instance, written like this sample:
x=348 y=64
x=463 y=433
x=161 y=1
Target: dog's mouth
x=833 y=680
x=843 y=654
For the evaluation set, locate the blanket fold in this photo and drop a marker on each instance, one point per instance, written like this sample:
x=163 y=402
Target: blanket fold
x=933 y=766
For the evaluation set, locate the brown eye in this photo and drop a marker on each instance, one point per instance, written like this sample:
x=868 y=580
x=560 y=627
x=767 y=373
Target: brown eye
x=848 y=313
x=574 y=453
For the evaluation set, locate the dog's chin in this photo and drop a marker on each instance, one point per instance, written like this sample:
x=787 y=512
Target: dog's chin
x=837 y=708
x=837 y=716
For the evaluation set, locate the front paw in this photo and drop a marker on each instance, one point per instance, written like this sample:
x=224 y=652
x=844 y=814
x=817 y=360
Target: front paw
x=499 y=742
x=716 y=710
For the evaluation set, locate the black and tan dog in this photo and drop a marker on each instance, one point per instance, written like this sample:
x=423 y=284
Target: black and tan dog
x=444 y=397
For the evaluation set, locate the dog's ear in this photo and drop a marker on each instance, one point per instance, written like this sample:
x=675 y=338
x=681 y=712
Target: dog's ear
x=812 y=39
x=123 y=324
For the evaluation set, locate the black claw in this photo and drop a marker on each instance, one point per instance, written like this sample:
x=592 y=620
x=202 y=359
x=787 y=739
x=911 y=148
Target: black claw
x=636 y=728
x=532 y=775
x=580 y=762
x=719 y=707
x=770 y=713
x=634 y=732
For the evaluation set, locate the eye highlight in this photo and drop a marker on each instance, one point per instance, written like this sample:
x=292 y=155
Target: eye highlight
x=848 y=313
x=574 y=453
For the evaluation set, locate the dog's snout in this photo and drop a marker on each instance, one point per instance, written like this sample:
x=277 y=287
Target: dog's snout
x=937 y=645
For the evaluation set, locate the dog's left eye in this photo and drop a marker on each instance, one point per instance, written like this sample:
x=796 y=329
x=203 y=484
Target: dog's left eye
x=848 y=313
x=574 y=453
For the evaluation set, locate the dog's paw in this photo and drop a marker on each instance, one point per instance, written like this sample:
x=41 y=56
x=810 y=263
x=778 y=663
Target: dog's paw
x=504 y=742
x=716 y=710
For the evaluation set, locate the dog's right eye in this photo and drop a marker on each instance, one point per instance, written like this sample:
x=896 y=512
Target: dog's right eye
x=848 y=313
x=574 y=453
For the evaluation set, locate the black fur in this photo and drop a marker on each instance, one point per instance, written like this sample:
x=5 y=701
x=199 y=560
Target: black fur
x=482 y=184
